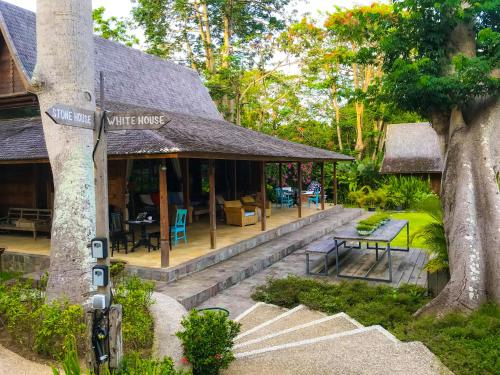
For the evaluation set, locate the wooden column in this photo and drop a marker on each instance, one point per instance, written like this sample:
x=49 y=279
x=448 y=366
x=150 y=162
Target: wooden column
x=263 y=195
x=235 y=181
x=185 y=186
x=334 y=182
x=323 y=190
x=299 y=178
x=212 y=208
x=280 y=171
x=164 y=225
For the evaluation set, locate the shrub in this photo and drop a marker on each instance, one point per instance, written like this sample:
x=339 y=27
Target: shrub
x=406 y=191
x=207 y=339
x=134 y=295
x=134 y=364
x=369 y=304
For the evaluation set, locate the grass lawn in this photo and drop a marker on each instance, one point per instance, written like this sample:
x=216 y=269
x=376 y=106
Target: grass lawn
x=465 y=344
x=417 y=221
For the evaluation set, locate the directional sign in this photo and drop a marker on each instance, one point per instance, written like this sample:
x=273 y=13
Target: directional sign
x=66 y=115
x=136 y=120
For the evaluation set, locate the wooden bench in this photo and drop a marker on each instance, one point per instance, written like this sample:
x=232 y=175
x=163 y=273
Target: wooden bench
x=27 y=220
x=323 y=247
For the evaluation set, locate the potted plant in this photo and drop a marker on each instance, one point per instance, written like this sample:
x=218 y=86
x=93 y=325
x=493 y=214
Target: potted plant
x=367 y=226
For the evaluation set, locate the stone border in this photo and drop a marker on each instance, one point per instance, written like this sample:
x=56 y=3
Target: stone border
x=24 y=263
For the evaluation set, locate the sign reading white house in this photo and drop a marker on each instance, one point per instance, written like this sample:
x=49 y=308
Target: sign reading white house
x=66 y=115
x=136 y=120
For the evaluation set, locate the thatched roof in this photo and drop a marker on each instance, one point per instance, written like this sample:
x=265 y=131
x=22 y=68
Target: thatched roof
x=412 y=148
x=135 y=80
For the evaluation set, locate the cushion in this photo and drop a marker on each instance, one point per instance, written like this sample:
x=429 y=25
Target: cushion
x=249 y=213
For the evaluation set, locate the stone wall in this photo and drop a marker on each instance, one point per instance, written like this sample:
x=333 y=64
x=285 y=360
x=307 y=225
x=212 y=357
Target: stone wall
x=24 y=263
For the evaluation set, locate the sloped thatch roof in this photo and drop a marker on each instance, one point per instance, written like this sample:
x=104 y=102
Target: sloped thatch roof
x=412 y=148
x=135 y=80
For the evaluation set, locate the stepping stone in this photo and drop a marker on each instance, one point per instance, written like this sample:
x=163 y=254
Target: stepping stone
x=317 y=328
x=291 y=318
x=370 y=350
x=258 y=314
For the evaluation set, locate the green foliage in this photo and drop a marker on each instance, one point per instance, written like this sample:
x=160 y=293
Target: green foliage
x=8 y=275
x=367 y=197
x=134 y=364
x=113 y=28
x=466 y=344
x=406 y=191
x=372 y=223
x=37 y=325
x=116 y=271
x=368 y=304
x=71 y=363
x=433 y=235
x=207 y=339
x=134 y=294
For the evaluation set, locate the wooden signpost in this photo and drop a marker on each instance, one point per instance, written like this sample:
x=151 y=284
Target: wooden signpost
x=136 y=120
x=71 y=116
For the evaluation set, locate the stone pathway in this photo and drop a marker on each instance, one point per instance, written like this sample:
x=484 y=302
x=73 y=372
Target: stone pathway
x=193 y=290
x=13 y=364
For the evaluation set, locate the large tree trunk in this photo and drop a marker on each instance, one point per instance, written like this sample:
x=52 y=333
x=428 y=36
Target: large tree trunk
x=471 y=203
x=65 y=74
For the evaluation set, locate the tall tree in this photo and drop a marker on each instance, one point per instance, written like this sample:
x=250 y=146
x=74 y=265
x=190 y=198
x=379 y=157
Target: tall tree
x=114 y=28
x=442 y=60
x=219 y=38
x=64 y=73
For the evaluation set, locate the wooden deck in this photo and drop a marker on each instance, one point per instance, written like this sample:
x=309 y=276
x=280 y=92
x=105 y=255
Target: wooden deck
x=197 y=234
x=407 y=267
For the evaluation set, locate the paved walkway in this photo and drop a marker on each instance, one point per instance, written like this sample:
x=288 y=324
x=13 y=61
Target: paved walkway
x=13 y=364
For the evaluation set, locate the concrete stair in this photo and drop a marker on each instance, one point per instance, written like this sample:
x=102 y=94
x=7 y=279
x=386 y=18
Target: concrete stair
x=194 y=289
x=301 y=341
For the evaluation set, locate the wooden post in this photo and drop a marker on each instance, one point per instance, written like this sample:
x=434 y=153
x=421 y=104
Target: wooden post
x=235 y=192
x=115 y=336
x=299 y=177
x=322 y=185
x=263 y=195
x=185 y=186
x=164 y=225
x=335 y=182
x=212 y=208
x=280 y=171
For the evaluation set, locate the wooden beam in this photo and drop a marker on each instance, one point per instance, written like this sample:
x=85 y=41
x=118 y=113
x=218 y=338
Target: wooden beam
x=280 y=171
x=335 y=182
x=323 y=190
x=263 y=195
x=164 y=225
x=299 y=178
x=235 y=181
x=212 y=208
x=186 y=186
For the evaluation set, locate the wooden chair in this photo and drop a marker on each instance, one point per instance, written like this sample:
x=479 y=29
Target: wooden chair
x=237 y=214
x=178 y=230
x=117 y=234
x=284 y=198
x=248 y=200
x=313 y=199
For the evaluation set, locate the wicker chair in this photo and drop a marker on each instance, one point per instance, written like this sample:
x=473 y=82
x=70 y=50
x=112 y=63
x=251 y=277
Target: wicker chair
x=248 y=200
x=237 y=214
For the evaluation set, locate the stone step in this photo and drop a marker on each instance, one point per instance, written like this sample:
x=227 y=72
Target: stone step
x=258 y=314
x=325 y=326
x=367 y=350
x=194 y=289
x=295 y=317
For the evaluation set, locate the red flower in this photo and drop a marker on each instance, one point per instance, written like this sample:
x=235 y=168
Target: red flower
x=185 y=361
x=218 y=356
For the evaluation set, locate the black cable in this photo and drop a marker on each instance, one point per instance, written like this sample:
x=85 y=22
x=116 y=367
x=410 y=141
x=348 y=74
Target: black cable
x=101 y=127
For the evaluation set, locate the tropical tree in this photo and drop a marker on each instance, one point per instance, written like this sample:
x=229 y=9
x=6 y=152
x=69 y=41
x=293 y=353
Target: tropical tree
x=114 y=28
x=64 y=73
x=441 y=59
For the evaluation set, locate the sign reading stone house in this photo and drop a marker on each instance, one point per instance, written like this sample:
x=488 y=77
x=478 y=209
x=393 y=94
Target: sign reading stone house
x=66 y=115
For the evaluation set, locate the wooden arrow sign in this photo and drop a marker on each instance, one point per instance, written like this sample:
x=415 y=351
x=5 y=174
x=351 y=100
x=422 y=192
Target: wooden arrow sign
x=136 y=120
x=71 y=116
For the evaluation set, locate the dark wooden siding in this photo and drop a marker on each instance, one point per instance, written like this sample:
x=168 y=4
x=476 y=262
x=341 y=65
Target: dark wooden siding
x=10 y=78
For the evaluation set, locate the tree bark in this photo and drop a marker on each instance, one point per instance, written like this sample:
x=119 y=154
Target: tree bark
x=64 y=73
x=471 y=204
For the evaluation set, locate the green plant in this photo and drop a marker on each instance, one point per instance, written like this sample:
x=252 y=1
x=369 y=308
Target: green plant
x=433 y=236
x=207 y=339
x=134 y=295
x=116 y=271
x=406 y=191
x=134 y=364
x=366 y=226
x=8 y=275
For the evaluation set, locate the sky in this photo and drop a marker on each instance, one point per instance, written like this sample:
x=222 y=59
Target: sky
x=121 y=8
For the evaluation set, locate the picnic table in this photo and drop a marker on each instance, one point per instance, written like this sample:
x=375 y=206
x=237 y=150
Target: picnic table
x=144 y=239
x=385 y=234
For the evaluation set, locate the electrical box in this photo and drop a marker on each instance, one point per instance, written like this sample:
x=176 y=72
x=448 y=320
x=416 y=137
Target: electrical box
x=100 y=275
x=99 y=248
x=100 y=301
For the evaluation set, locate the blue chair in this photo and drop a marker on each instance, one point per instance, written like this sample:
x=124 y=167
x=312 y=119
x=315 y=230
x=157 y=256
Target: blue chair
x=314 y=199
x=178 y=230
x=283 y=198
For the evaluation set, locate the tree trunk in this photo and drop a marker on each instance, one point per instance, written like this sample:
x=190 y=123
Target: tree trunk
x=64 y=74
x=471 y=204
